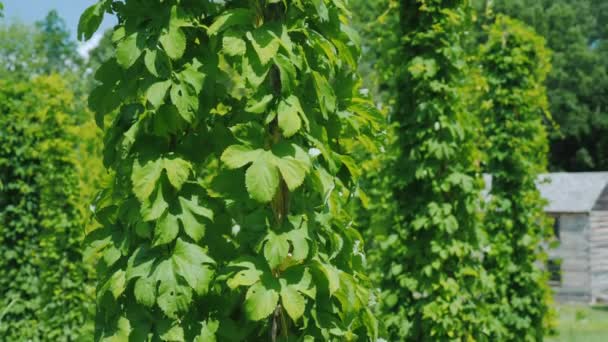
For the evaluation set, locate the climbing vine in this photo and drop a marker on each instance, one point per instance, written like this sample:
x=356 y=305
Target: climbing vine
x=230 y=155
x=45 y=291
x=378 y=22
x=380 y=60
x=516 y=62
x=434 y=286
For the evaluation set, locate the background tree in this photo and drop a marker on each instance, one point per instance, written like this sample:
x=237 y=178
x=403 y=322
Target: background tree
x=577 y=84
x=516 y=62
x=42 y=49
x=231 y=168
x=434 y=283
x=55 y=45
x=43 y=290
x=26 y=53
x=19 y=58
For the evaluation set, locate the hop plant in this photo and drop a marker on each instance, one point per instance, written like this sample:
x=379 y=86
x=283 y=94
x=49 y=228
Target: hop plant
x=231 y=126
x=516 y=62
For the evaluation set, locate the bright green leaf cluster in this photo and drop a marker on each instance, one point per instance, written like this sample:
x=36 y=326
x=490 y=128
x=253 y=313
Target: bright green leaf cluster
x=515 y=63
x=231 y=158
x=45 y=289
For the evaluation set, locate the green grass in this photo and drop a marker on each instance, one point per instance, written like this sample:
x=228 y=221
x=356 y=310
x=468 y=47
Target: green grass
x=581 y=323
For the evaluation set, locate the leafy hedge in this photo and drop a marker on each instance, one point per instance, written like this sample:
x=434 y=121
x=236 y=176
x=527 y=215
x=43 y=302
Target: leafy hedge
x=516 y=62
x=43 y=288
x=434 y=286
x=231 y=162
x=377 y=22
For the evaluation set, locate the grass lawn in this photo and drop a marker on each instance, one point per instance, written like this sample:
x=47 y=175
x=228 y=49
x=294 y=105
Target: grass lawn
x=581 y=323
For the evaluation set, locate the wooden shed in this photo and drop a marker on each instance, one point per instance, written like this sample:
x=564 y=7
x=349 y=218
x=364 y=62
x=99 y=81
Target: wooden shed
x=579 y=204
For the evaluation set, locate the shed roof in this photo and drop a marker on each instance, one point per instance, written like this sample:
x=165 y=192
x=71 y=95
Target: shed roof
x=571 y=192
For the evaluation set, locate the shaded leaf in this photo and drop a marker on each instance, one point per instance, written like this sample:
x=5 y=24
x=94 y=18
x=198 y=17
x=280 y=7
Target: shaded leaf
x=265 y=43
x=230 y=18
x=193 y=264
x=90 y=20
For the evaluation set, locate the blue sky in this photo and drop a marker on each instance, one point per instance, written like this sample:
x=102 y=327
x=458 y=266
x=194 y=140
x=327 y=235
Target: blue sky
x=29 y=11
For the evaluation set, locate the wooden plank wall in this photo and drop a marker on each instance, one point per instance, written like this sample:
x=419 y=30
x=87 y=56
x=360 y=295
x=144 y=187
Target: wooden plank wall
x=573 y=251
x=599 y=255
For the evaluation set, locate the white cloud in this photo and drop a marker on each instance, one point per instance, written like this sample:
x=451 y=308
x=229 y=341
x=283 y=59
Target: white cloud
x=85 y=48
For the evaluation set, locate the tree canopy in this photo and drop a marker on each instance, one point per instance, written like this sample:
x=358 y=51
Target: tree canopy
x=578 y=83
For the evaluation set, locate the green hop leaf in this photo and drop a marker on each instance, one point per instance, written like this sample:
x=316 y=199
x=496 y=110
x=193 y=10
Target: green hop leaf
x=166 y=229
x=289 y=112
x=192 y=263
x=260 y=302
x=276 y=249
x=145 y=292
x=237 y=156
x=231 y=18
x=89 y=20
x=262 y=178
x=177 y=170
x=248 y=274
x=191 y=211
x=128 y=51
x=233 y=45
x=174 y=42
x=145 y=177
x=265 y=43
x=293 y=302
x=157 y=92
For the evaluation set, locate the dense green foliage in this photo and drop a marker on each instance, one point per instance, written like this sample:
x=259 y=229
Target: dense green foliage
x=243 y=154
x=230 y=158
x=577 y=86
x=381 y=50
x=374 y=212
x=53 y=247
x=434 y=283
x=515 y=62
x=43 y=293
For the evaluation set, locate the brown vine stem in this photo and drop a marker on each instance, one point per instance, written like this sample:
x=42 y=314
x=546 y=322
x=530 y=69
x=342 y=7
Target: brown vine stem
x=280 y=203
